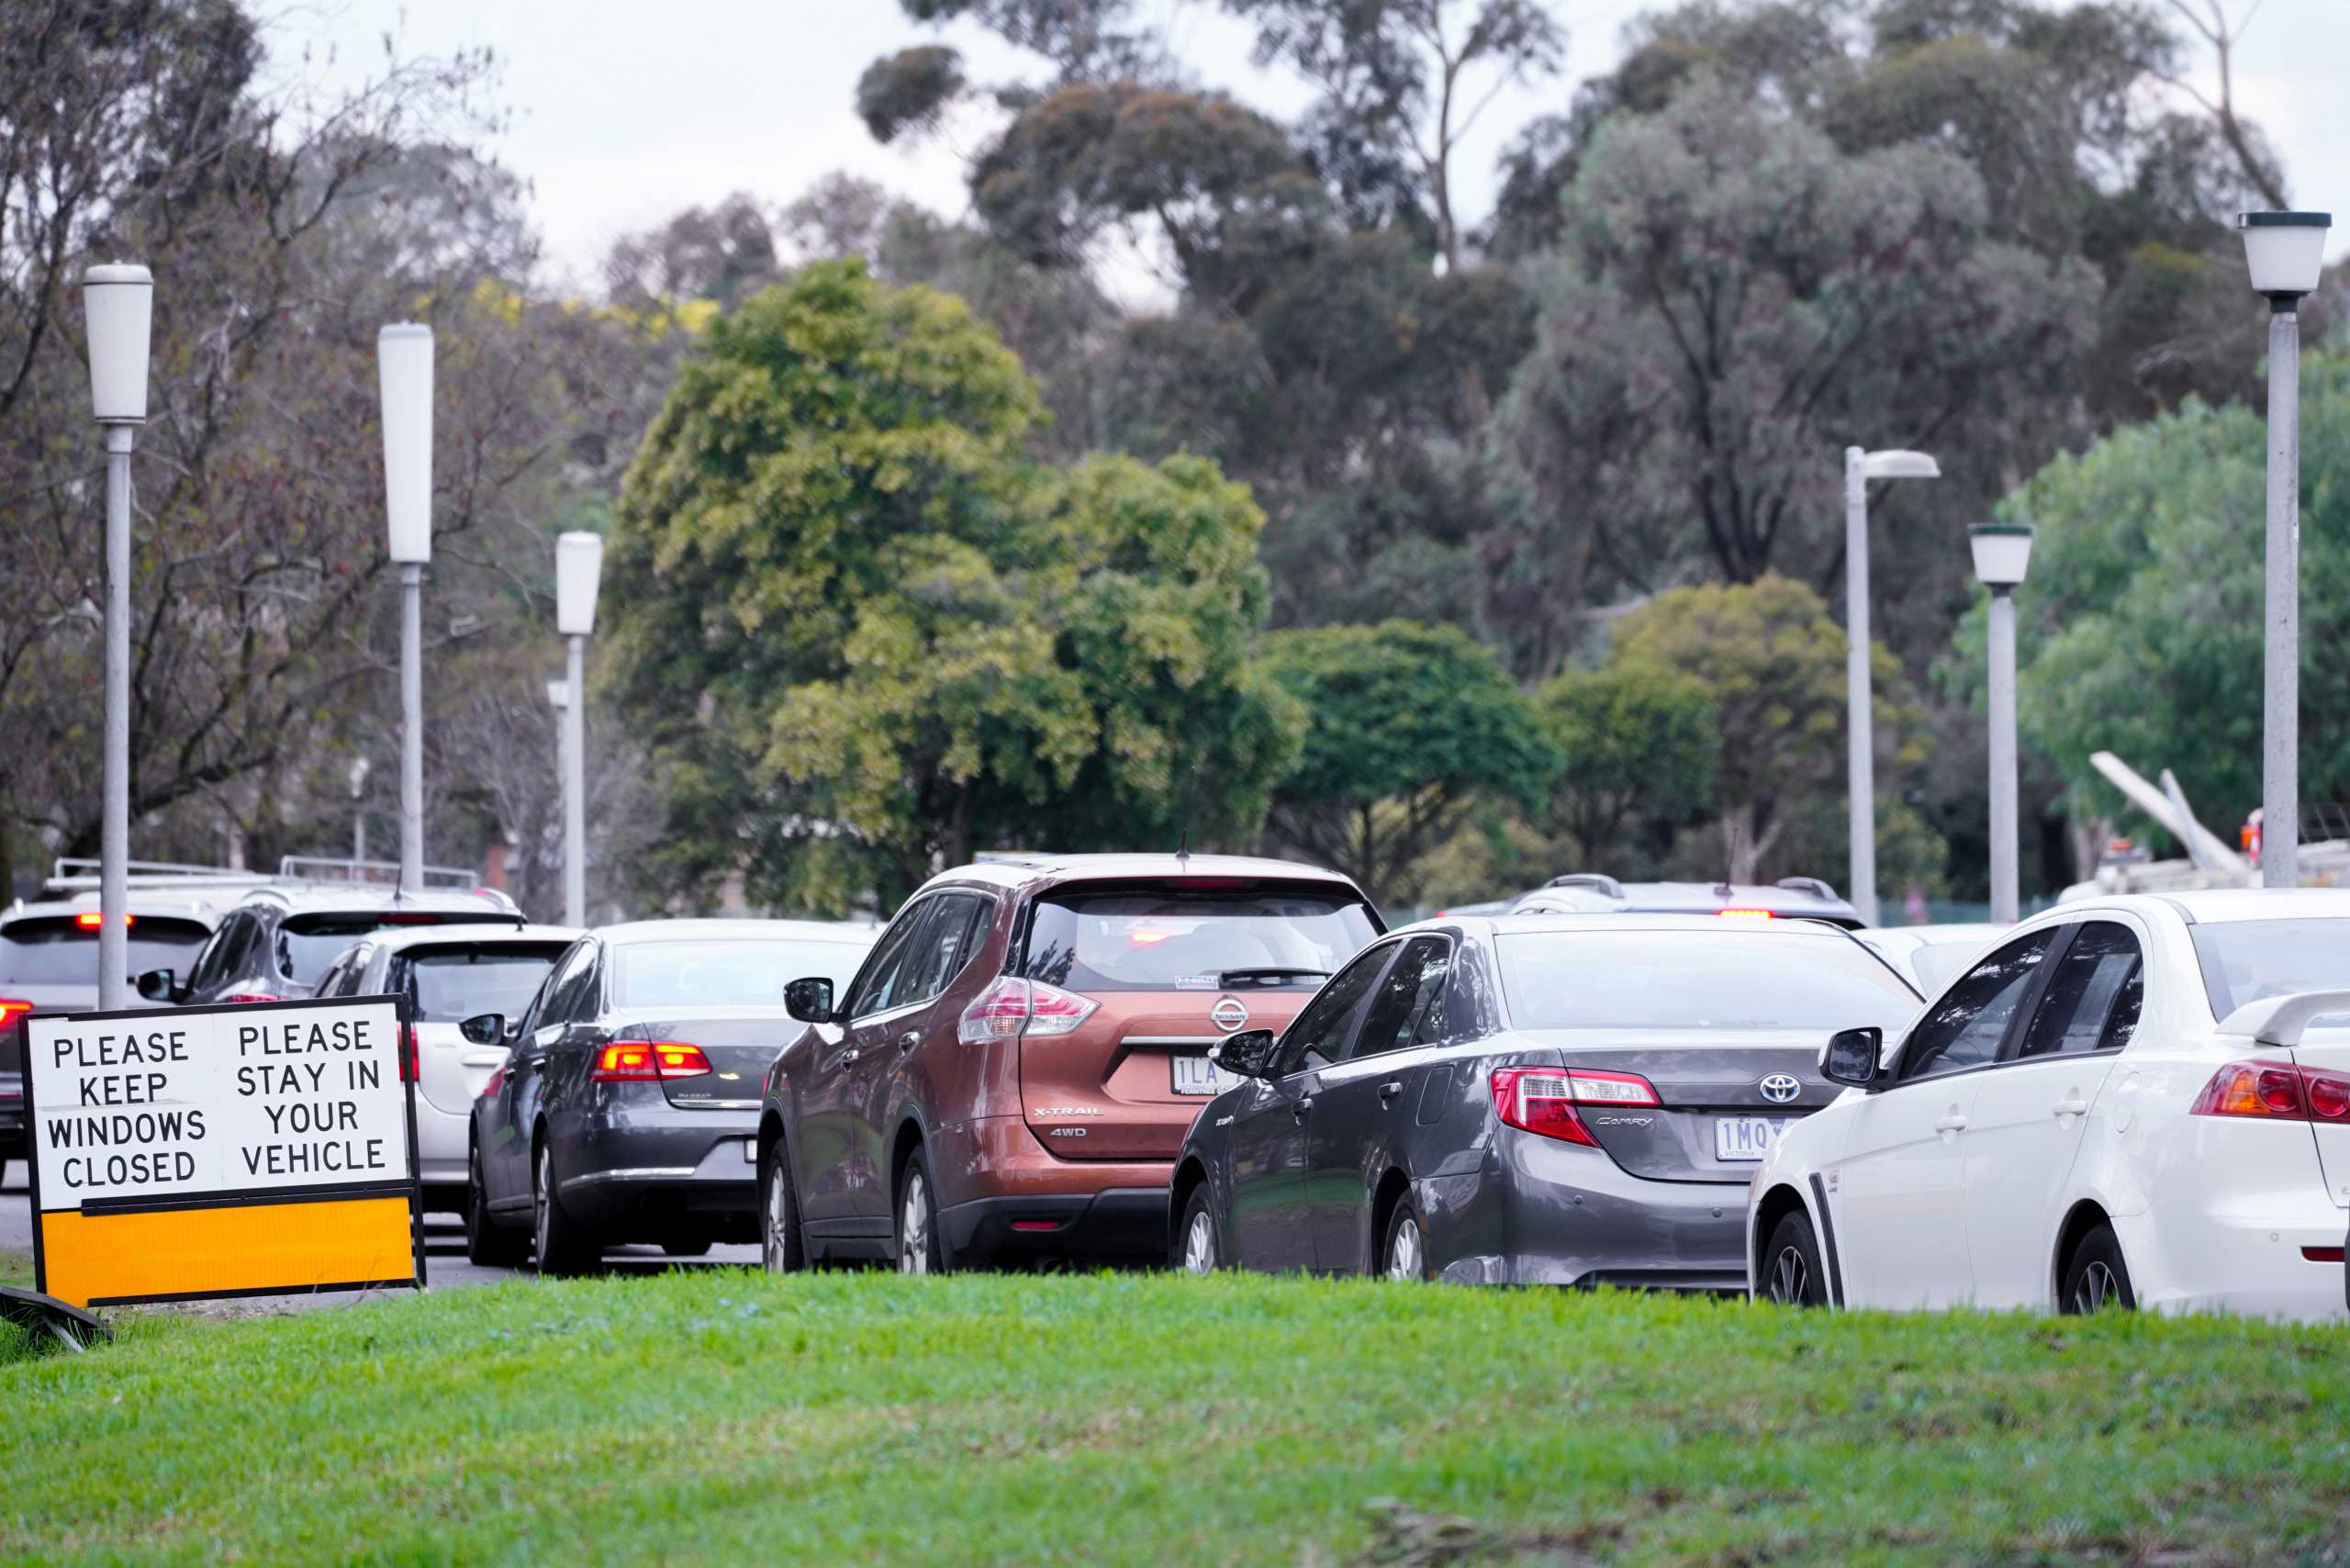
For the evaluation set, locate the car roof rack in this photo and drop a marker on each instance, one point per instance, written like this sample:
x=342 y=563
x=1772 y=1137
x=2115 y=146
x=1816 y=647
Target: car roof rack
x=80 y=874
x=1593 y=879
x=330 y=868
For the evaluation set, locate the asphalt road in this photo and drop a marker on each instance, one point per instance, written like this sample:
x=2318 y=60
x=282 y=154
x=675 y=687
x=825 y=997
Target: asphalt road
x=445 y=1252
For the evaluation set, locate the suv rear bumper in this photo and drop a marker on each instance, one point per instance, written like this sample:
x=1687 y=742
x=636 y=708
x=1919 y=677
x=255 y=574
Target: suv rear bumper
x=1116 y=1224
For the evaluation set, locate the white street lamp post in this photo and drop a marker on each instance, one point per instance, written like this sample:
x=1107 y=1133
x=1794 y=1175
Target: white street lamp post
x=1859 y=467
x=578 y=563
x=117 y=303
x=2002 y=554
x=2285 y=251
x=404 y=358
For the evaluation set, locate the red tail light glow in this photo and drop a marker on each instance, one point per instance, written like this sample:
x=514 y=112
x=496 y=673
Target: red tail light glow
x=11 y=1010
x=238 y=996
x=408 y=1053
x=2278 y=1091
x=497 y=1082
x=648 y=1062
x=1012 y=1007
x=1745 y=913
x=2323 y=1254
x=1543 y=1099
x=90 y=920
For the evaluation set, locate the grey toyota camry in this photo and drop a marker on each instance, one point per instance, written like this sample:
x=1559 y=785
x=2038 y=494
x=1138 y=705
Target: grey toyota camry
x=1559 y=1099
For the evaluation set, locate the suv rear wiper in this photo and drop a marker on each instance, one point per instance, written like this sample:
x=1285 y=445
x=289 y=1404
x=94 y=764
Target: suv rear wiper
x=1269 y=976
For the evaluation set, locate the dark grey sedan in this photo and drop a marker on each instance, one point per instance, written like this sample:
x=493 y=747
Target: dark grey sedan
x=626 y=1107
x=1555 y=1099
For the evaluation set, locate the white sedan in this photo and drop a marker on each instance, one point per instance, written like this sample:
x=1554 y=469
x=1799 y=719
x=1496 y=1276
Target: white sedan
x=2137 y=1101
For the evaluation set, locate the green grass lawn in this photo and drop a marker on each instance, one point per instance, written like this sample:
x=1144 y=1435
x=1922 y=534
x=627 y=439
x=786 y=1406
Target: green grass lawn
x=724 y=1417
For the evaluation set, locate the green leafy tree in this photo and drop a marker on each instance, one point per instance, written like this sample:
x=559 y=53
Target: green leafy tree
x=1639 y=741
x=1411 y=727
x=867 y=636
x=1772 y=663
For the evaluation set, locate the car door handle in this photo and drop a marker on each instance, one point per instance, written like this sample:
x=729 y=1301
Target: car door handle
x=849 y=1057
x=1303 y=1106
x=910 y=1039
x=1951 y=1123
x=1389 y=1089
x=2069 y=1108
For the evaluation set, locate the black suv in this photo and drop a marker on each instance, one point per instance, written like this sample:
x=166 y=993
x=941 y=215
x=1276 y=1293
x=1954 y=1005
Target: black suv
x=276 y=944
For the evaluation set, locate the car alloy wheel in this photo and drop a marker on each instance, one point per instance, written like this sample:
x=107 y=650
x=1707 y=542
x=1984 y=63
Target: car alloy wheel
x=2097 y=1289
x=914 y=1226
x=1790 y=1278
x=542 y=1199
x=1406 y=1257
x=778 y=1250
x=1198 y=1244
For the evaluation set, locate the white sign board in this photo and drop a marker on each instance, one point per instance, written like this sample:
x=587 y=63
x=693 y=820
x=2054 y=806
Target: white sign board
x=179 y=1102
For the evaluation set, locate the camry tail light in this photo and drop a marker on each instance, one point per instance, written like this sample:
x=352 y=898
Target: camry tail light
x=236 y=996
x=1012 y=1007
x=2279 y=1090
x=11 y=1010
x=648 y=1062
x=1543 y=1099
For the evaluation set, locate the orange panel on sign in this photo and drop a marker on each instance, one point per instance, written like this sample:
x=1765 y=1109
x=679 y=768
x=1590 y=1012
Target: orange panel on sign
x=246 y=1247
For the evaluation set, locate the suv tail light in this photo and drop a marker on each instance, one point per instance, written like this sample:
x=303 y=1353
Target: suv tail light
x=236 y=996
x=648 y=1062
x=1012 y=1008
x=11 y=1010
x=1543 y=1099
x=2275 y=1089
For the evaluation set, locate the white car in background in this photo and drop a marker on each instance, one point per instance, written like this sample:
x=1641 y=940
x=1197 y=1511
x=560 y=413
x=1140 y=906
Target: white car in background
x=2139 y=1101
x=1931 y=956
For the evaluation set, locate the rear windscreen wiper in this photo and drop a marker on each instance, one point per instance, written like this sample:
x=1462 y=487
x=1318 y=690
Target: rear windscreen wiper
x=1273 y=975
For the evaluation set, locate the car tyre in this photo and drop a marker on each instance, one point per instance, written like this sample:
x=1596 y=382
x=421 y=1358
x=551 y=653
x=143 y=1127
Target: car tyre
x=1198 y=1248
x=559 y=1243
x=920 y=1250
x=2098 y=1278
x=1794 y=1272
x=489 y=1245
x=1403 y=1250
x=782 y=1249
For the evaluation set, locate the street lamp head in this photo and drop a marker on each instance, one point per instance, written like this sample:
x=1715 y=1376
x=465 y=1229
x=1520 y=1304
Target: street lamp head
x=578 y=563
x=558 y=694
x=2285 y=251
x=1899 y=464
x=118 y=306
x=2002 y=553
x=404 y=360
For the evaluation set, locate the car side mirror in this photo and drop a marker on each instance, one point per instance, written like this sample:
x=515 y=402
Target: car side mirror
x=156 y=985
x=810 y=1000
x=1851 y=1056
x=1249 y=1053
x=485 y=1029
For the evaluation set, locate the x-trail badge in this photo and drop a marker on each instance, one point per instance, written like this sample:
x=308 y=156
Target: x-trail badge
x=1228 y=1013
x=1781 y=1087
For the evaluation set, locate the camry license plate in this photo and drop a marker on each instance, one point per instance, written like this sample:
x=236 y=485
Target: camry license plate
x=1746 y=1137
x=1197 y=1075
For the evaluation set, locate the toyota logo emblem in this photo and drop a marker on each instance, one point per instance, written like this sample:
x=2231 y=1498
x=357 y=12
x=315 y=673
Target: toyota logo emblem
x=1229 y=1015
x=1781 y=1087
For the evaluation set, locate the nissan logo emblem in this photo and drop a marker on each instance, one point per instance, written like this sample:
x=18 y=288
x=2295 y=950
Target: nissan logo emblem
x=1228 y=1013
x=1781 y=1087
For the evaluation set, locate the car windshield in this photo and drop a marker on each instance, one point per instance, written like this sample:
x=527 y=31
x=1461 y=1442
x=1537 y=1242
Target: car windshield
x=60 y=950
x=1697 y=980
x=453 y=986
x=306 y=943
x=1186 y=940
x=730 y=973
x=2245 y=961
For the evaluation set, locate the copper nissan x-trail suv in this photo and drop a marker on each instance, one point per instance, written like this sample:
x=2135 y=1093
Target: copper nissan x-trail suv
x=1010 y=1074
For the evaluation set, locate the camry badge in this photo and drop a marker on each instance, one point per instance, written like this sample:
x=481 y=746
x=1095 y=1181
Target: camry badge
x=1781 y=1087
x=1228 y=1013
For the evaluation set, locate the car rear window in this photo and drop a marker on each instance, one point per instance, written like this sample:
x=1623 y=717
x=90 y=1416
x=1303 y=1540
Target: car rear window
x=1697 y=980
x=2244 y=961
x=306 y=943
x=731 y=972
x=60 y=950
x=1185 y=939
x=451 y=986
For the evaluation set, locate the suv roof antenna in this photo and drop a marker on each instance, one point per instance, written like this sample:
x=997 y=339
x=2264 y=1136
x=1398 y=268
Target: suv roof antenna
x=1184 y=850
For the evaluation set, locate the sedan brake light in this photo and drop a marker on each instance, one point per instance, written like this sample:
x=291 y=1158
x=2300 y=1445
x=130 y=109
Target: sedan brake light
x=2277 y=1091
x=1543 y=1100
x=648 y=1062
x=11 y=1010
x=237 y=996
x=1013 y=1007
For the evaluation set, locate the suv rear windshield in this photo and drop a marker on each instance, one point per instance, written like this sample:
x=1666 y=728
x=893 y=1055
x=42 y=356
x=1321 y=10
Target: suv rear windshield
x=745 y=972
x=1189 y=939
x=1697 y=980
x=2244 y=961
x=59 y=950
x=453 y=986
x=306 y=943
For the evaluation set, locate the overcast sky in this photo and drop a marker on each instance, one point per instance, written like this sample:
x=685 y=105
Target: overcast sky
x=623 y=112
